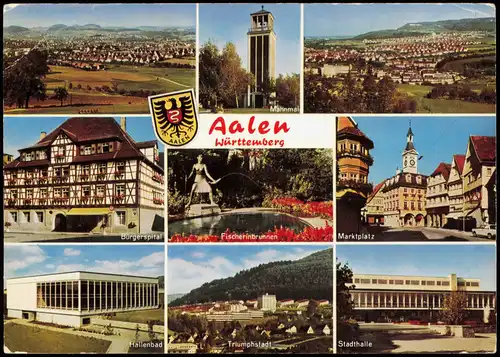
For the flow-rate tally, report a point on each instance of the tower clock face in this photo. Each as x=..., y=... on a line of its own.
x=412, y=162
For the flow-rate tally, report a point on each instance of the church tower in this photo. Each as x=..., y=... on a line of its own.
x=410, y=154
x=261, y=55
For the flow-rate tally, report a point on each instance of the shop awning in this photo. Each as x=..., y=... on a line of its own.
x=454, y=215
x=88, y=211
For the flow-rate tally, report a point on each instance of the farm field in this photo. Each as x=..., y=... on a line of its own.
x=426, y=105
x=21, y=338
x=186, y=60
x=141, y=316
x=128, y=78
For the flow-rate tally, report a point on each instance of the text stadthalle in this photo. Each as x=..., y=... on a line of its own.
x=353, y=344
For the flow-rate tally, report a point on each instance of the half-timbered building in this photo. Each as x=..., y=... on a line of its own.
x=87, y=175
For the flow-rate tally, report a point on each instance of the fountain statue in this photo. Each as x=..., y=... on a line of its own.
x=201, y=185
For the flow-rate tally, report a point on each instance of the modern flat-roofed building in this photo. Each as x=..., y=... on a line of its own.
x=71, y=299
x=400, y=298
x=267, y=302
x=87, y=175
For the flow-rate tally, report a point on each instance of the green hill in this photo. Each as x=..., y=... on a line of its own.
x=310, y=277
x=421, y=28
x=14, y=29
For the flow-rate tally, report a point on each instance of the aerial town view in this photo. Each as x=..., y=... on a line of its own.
x=249, y=195
x=82, y=179
x=249, y=58
x=400, y=58
x=83, y=299
x=272, y=299
x=96, y=58
x=416, y=299
x=435, y=180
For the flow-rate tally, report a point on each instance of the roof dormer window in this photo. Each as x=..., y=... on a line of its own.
x=408, y=178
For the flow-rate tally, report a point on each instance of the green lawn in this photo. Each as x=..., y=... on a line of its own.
x=426, y=105
x=32, y=339
x=141, y=316
x=414, y=90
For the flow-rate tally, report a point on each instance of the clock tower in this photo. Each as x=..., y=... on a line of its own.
x=410, y=154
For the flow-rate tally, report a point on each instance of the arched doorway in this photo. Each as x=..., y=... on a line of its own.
x=60, y=223
x=409, y=220
x=420, y=221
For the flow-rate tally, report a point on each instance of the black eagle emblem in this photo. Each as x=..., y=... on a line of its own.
x=176, y=120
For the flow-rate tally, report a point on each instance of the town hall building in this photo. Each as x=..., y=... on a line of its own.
x=404, y=193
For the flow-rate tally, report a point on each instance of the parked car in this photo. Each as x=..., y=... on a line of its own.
x=489, y=230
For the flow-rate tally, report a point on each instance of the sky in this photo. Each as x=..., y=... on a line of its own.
x=465, y=260
x=126, y=15
x=354, y=19
x=21, y=132
x=189, y=267
x=30, y=259
x=222, y=23
x=436, y=138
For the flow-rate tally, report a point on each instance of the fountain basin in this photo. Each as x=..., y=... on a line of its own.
x=240, y=221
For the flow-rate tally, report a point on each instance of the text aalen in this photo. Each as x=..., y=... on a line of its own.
x=234, y=127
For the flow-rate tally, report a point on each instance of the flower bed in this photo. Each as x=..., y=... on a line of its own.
x=309, y=234
x=303, y=209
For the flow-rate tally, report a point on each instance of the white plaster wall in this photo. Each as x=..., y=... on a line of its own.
x=21, y=295
x=147, y=217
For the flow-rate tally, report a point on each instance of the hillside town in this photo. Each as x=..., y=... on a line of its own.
x=408, y=59
x=262, y=324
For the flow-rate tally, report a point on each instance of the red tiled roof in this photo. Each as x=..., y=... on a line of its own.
x=443, y=169
x=20, y=164
x=146, y=144
x=82, y=130
x=459, y=162
x=485, y=147
x=355, y=132
x=375, y=190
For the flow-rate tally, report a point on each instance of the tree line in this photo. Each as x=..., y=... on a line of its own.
x=462, y=92
x=351, y=95
x=224, y=81
x=307, y=279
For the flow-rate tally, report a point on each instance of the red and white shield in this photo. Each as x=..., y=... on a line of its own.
x=174, y=116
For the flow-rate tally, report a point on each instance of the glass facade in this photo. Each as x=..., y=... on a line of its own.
x=96, y=295
x=416, y=300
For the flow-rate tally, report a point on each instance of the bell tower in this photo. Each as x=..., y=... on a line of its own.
x=410, y=154
x=261, y=55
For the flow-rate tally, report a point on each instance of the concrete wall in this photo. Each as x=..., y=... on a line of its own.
x=16, y=314
x=59, y=319
x=48, y=317
x=454, y=330
x=147, y=217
